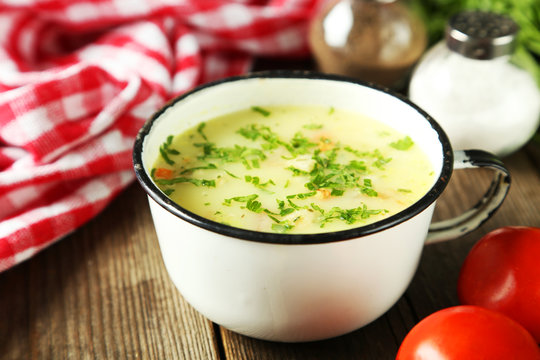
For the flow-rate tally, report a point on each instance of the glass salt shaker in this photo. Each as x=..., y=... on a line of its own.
x=372, y=40
x=468, y=84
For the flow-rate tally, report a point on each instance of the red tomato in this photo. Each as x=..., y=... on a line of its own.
x=468, y=332
x=502, y=273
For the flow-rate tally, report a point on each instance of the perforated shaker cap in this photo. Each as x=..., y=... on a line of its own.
x=481, y=35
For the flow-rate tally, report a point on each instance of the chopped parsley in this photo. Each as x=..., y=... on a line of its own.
x=165, y=150
x=205, y=167
x=403, y=144
x=255, y=180
x=298, y=145
x=261, y=111
x=302, y=195
x=232, y=175
x=313, y=126
x=250, y=202
x=248, y=156
x=282, y=226
x=350, y=216
x=200, y=129
x=182, y=179
x=297, y=172
x=168, y=191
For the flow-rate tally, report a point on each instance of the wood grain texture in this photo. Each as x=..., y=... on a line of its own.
x=104, y=293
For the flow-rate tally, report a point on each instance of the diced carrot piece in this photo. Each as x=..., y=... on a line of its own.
x=162, y=173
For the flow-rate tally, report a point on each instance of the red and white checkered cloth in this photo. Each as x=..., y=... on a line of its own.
x=78, y=78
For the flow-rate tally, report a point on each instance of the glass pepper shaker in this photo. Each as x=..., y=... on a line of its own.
x=469, y=85
x=372, y=40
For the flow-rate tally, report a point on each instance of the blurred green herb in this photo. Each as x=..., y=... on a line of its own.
x=165, y=150
x=402, y=144
x=261, y=111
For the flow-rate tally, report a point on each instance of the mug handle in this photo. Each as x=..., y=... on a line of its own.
x=485, y=208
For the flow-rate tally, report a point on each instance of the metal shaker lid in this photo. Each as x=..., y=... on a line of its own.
x=481, y=35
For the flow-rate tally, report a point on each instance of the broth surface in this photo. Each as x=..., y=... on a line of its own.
x=293, y=169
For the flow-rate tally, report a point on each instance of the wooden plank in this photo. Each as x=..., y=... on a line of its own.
x=102, y=292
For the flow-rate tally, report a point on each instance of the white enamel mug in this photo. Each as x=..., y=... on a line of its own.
x=303, y=287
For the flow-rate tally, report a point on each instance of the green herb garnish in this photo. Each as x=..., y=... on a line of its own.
x=204, y=167
x=403, y=144
x=254, y=206
x=237, y=153
x=255, y=180
x=168, y=191
x=281, y=226
x=297, y=172
x=337, y=192
x=312, y=126
x=298, y=145
x=250, y=200
x=200, y=129
x=404, y=190
x=165, y=150
x=261, y=110
x=177, y=180
x=381, y=161
x=350, y=216
x=165, y=156
x=302, y=195
x=232, y=175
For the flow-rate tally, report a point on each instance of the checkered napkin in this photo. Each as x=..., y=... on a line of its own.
x=78, y=79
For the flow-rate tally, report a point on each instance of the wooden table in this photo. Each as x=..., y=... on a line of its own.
x=103, y=291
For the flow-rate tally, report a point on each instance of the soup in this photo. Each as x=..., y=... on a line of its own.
x=292, y=169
